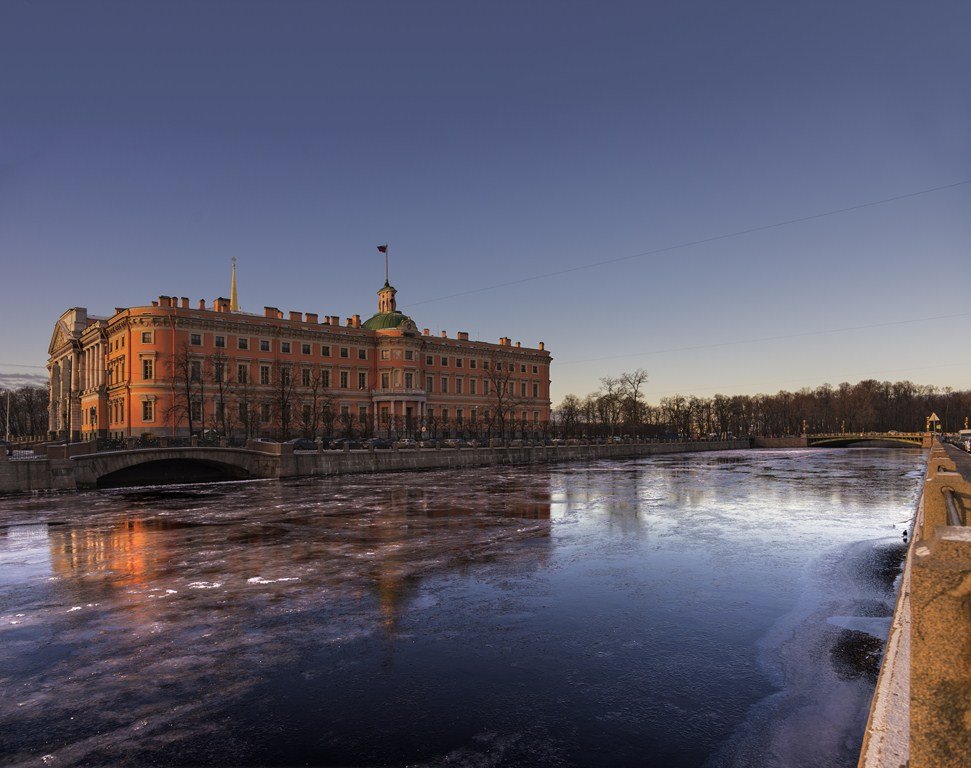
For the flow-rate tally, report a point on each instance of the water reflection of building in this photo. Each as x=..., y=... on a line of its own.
x=397, y=574
x=120, y=552
x=375, y=544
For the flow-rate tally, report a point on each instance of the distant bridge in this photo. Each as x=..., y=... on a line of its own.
x=842, y=439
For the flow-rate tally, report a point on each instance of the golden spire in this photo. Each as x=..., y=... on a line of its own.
x=233, y=298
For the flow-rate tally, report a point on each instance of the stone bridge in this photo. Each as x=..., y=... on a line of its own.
x=837, y=440
x=160, y=465
x=79, y=466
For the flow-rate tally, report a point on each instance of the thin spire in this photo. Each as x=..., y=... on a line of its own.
x=233, y=298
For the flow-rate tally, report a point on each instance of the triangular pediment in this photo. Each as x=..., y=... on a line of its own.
x=59, y=339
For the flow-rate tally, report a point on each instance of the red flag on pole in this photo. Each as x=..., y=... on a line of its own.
x=382, y=249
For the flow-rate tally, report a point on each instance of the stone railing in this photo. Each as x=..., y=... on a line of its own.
x=940, y=596
x=921, y=711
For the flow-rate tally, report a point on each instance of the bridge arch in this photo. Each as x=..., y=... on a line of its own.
x=116, y=469
x=168, y=471
x=844, y=440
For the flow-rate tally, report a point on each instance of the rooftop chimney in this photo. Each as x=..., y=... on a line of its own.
x=425, y=332
x=273, y=312
x=444, y=334
x=542, y=346
x=185, y=302
x=518, y=344
x=297, y=316
x=311, y=317
x=154, y=303
x=202, y=303
x=462, y=336
x=357, y=321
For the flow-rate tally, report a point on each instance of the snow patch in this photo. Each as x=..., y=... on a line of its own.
x=261, y=580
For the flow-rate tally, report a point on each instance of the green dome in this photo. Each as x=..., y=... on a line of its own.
x=384, y=320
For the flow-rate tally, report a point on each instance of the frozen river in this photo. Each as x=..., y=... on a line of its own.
x=699, y=610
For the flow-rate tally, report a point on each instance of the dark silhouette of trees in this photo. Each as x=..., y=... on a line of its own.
x=28, y=412
x=867, y=406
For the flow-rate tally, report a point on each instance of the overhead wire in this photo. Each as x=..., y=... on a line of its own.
x=761, y=339
x=691, y=243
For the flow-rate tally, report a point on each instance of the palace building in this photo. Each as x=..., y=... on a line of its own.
x=173, y=369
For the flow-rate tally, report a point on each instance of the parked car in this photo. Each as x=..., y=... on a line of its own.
x=455, y=442
x=302, y=444
x=406, y=442
x=377, y=443
x=345, y=442
x=431, y=442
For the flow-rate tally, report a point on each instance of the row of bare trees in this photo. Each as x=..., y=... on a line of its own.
x=211, y=395
x=28, y=412
x=618, y=407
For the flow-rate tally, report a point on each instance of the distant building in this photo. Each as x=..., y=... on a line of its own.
x=171, y=369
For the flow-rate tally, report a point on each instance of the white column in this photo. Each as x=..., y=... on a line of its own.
x=52, y=399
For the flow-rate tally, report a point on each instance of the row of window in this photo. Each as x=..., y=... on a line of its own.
x=444, y=415
x=286, y=347
x=116, y=412
x=460, y=362
x=322, y=378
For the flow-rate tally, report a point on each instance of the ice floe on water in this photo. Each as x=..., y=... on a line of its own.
x=261, y=580
x=824, y=665
x=651, y=612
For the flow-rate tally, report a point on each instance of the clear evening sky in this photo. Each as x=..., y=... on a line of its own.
x=143, y=145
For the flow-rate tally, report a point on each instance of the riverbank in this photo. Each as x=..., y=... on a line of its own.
x=919, y=712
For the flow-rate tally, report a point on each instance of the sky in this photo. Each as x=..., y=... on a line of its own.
x=541, y=170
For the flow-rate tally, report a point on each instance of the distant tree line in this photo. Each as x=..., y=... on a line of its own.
x=620, y=408
x=28, y=412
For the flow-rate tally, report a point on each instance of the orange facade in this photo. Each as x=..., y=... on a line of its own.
x=173, y=369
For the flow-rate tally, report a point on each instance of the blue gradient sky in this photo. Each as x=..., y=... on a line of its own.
x=143, y=145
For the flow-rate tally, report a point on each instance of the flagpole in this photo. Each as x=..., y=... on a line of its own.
x=387, y=268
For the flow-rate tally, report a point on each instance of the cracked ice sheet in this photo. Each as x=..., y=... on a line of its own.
x=511, y=617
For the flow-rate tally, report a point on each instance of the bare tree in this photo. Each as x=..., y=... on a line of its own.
x=312, y=400
x=631, y=383
x=185, y=373
x=569, y=414
x=503, y=399
x=283, y=397
x=223, y=387
x=610, y=403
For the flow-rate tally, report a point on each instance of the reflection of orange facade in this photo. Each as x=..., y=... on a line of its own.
x=382, y=552
x=122, y=551
x=125, y=375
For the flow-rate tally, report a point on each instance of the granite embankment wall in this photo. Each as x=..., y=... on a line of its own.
x=338, y=462
x=271, y=460
x=921, y=710
x=780, y=442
